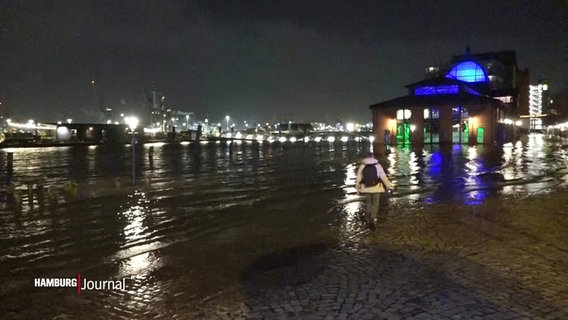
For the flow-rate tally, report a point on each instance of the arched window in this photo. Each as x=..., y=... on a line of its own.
x=468, y=71
x=403, y=114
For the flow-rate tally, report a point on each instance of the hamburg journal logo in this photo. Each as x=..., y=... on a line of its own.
x=81, y=284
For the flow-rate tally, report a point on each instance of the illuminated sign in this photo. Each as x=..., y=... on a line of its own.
x=432, y=90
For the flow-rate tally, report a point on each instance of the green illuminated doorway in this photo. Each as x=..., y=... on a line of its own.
x=480, y=135
x=403, y=133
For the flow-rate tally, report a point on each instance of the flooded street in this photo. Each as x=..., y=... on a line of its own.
x=206, y=226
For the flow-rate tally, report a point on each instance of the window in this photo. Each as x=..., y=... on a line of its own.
x=468, y=71
x=403, y=114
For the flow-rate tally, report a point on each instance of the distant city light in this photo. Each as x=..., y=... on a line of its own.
x=31, y=125
x=132, y=122
x=152, y=130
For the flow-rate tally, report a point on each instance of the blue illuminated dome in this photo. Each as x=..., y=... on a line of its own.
x=468, y=71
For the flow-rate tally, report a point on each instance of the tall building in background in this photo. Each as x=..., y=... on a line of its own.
x=539, y=101
x=535, y=107
x=545, y=95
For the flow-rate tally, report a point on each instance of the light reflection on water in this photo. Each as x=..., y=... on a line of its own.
x=195, y=206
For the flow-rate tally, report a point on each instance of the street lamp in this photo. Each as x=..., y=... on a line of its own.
x=132, y=124
x=186, y=121
x=227, y=118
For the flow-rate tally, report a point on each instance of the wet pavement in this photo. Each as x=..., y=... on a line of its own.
x=496, y=261
x=467, y=235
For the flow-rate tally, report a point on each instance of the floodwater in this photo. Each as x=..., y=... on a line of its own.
x=199, y=215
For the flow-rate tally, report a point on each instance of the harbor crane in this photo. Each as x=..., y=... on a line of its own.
x=105, y=111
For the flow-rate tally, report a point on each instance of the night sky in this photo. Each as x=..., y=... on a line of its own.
x=259, y=61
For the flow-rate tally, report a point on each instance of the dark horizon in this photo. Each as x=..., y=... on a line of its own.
x=264, y=61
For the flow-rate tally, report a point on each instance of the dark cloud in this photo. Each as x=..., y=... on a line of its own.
x=260, y=60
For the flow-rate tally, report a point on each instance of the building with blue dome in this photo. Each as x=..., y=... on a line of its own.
x=476, y=99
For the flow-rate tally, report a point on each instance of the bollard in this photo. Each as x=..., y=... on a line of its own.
x=52, y=196
x=151, y=155
x=31, y=194
x=10, y=164
x=17, y=200
x=2, y=161
x=40, y=194
x=70, y=191
x=198, y=134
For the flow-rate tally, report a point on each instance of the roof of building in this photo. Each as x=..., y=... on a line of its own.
x=461, y=98
x=438, y=81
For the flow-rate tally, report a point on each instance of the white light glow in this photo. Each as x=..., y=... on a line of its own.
x=32, y=126
x=535, y=105
x=403, y=114
x=152, y=130
x=132, y=122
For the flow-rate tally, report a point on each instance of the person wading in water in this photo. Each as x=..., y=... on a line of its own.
x=371, y=181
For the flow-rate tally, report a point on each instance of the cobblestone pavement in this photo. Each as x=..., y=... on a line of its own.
x=491, y=261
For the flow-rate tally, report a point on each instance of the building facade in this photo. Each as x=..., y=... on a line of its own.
x=477, y=100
